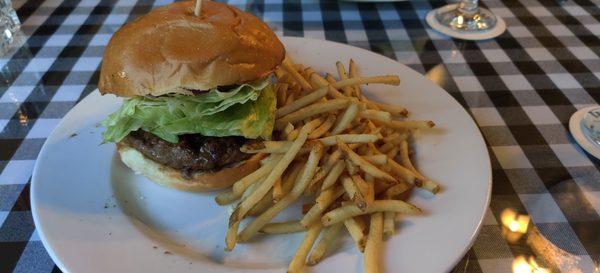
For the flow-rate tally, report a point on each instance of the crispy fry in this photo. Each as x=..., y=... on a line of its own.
x=356, y=232
x=325, y=126
x=281, y=91
x=373, y=246
x=231, y=236
x=379, y=159
x=387, y=147
x=404, y=173
x=393, y=152
x=335, y=145
x=427, y=184
x=343, y=121
x=331, y=160
x=307, y=74
x=318, y=80
x=299, y=258
x=324, y=200
x=277, y=190
x=392, y=109
x=353, y=73
x=287, y=130
x=349, y=138
x=279, y=72
x=389, y=223
x=330, y=79
x=266, y=147
x=413, y=124
x=366, y=189
x=350, y=167
x=275, y=147
x=353, y=192
x=388, y=79
x=262, y=205
x=364, y=164
x=282, y=227
x=311, y=110
x=376, y=115
x=289, y=67
x=293, y=134
x=396, y=190
x=334, y=93
x=266, y=185
x=301, y=102
x=348, y=90
x=299, y=186
x=347, y=211
x=430, y=186
x=333, y=175
x=324, y=243
x=391, y=138
x=240, y=186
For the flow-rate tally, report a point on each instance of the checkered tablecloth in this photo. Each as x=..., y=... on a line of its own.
x=521, y=89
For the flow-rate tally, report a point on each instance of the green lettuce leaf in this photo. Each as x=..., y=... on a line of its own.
x=247, y=111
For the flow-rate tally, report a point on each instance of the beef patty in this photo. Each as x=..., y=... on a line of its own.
x=193, y=152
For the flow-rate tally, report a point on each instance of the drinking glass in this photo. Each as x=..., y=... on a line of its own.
x=9, y=25
x=467, y=16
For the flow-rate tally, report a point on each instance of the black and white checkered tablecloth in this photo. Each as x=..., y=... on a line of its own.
x=521, y=88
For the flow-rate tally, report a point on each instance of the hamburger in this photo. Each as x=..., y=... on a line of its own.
x=195, y=89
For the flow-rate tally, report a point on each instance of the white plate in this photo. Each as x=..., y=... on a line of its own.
x=94, y=215
x=581, y=134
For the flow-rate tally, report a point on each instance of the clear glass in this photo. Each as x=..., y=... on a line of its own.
x=466, y=17
x=9, y=25
x=591, y=121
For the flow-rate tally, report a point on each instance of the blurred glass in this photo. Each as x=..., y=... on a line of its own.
x=9, y=25
x=467, y=17
x=591, y=121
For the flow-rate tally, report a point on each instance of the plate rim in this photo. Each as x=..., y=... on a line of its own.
x=471, y=239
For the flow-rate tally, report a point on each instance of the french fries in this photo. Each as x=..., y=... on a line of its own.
x=323, y=128
x=427, y=184
x=333, y=175
x=363, y=163
x=289, y=67
x=346, y=153
x=324, y=200
x=301, y=102
x=354, y=193
x=324, y=243
x=345, y=119
x=299, y=259
x=282, y=227
x=348, y=90
x=349, y=138
x=374, y=243
x=311, y=110
x=300, y=185
x=378, y=160
x=389, y=223
x=279, y=168
x=240, y=186
x=356, y=232
x=345, y=212
x=376, y=115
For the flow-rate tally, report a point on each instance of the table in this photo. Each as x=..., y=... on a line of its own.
x=521, y=89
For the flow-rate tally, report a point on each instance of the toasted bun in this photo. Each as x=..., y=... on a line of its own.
x=169, y=177
x=169, y=50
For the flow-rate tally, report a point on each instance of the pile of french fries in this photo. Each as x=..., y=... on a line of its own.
x=350, y=154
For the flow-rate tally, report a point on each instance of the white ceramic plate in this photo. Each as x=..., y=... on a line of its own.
x=94, y=215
